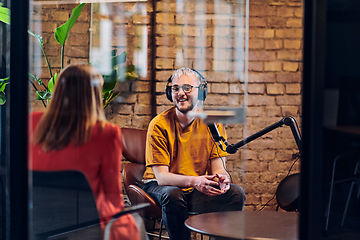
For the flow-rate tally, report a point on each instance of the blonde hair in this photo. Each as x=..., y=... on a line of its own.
x=187, y=72
x=76, y=106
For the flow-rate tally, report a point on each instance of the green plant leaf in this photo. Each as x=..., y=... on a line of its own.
x=2, y=87
x=37, y=37
x=119, y=73
x=111, y=96
x=103, y=57
x=3, y=83
x=106, y=95
x=36, y=79
x=62, y=32
x=110, y=81
x=5, y=80
x=41, y=95
x=4, y=15
x=52, y=82
x=2, y=98
x=128, y=73
x=41, y=42
x=118, y=59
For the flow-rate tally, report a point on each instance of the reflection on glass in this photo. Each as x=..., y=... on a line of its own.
x=120, y=27
x=135, y=45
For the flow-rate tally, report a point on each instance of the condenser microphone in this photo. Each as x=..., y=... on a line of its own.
x=215, y=134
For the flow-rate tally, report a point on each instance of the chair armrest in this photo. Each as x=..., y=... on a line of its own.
x=138, y=196
x=131, y=209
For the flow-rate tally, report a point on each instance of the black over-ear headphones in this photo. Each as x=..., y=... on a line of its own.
x=202, y=88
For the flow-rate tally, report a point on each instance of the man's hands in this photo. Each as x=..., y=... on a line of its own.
x=224, y=182
x=212, y=185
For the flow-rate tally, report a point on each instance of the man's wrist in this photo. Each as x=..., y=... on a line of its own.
x=192, y=181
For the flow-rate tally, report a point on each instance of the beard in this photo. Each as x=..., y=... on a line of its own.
x=185, y=110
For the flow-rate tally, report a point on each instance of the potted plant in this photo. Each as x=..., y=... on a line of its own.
x=119, y=71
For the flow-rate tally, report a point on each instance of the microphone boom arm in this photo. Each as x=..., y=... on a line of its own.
x=288, y=121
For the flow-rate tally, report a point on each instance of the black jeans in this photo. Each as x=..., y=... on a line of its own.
x=176, y=205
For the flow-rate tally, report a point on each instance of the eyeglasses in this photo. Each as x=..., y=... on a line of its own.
x=187, y=88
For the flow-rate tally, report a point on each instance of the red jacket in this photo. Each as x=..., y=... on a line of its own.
x=100, y=161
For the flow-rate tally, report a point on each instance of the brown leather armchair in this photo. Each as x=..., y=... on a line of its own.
x=134, y=141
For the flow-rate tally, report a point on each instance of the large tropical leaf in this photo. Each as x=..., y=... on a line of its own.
x=118, y=59
x=110, y=81
x=119, y=75
x=4, y=14
x=62, y=32
x=103, y=58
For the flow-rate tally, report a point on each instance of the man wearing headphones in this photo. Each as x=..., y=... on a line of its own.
x=185, y=169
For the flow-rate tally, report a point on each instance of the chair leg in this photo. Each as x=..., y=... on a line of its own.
x=327, y=214
x=160, y=230
x=358, y=196
x=357, y=169
x=347, y=203
x=154, y=234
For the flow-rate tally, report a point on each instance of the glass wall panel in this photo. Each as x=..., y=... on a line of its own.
x=249, y=52
x=136, y=45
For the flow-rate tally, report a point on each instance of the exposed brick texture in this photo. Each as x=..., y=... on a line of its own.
x=210, y=37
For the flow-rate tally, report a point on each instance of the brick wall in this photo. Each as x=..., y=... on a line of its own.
x=274, y=88
x=210, y=37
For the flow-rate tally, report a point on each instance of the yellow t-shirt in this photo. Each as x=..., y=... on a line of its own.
x=186, y=151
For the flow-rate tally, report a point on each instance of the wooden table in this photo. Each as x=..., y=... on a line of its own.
x=252, y=225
